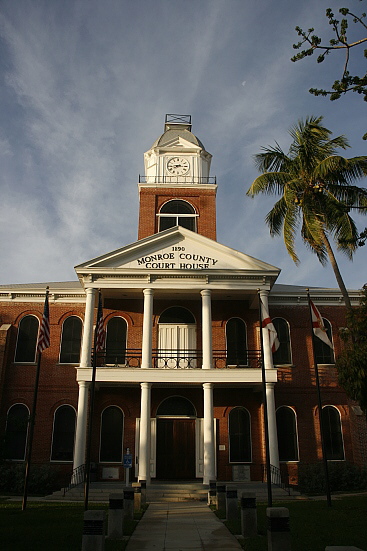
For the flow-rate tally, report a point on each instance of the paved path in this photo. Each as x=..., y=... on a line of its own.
x=181, y=526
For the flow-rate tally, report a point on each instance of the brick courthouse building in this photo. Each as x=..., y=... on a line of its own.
x=179, y=382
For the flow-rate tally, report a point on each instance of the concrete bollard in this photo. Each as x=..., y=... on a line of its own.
x=342, y=548
x=221, y=496
x=231, y=502
x=115, y=516
x=279, y=535
x=143, y=485
x=93, y=531
x=137, y=497
x=212, y=493
x=129, y=502
x=248, y=514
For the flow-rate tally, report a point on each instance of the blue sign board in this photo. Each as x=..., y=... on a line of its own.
x=128, y=461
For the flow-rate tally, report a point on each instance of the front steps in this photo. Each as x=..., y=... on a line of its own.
x=157, y=492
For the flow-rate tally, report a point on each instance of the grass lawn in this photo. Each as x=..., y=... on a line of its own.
x=44, y=526
x=314, y=525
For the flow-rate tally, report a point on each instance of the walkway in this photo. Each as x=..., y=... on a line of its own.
x=181, y=526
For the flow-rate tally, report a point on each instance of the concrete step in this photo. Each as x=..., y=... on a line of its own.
x=157, y=492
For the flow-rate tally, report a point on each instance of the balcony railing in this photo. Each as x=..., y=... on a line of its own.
x=179, y=359
x=143, y=179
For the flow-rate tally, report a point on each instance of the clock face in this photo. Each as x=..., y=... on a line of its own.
x=177, y=166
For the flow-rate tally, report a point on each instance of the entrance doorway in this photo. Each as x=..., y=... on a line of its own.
x=176, y=449
x=175, y=444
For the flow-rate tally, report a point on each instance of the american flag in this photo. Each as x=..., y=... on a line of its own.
x=44, y=332
x=99, y=334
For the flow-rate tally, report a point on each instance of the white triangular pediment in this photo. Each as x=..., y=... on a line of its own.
x=177, y=249
x=178, y=142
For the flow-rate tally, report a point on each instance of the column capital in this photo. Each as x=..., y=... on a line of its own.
x=207, y=386
x=206, y=293
x=90, y=291
x=84, y=384
x=148, y=292
x=146, y=386
x=264, y=292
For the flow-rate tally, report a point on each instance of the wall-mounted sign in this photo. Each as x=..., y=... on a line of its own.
x=178, y=258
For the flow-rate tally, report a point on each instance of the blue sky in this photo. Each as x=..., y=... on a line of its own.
x=84, y=89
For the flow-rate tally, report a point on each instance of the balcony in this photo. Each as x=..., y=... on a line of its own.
x=190, y=180
x=178, y=359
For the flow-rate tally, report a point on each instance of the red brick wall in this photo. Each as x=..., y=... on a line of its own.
x=151, y=200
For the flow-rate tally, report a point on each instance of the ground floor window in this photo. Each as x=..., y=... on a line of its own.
x=16, y=432
x=63, y=434
x=287, y=434
x=332, y=430
x=240, y=436
x=112, y=427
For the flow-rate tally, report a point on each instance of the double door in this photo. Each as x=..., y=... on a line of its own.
x=177, y=346
x=176, y=449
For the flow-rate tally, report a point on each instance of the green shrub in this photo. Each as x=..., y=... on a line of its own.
x=343, y=477
x=42, y=479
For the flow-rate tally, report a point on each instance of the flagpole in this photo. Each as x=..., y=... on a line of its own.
x=323, y=448
x=32, y=418
x=266, y=423
x=91, y=410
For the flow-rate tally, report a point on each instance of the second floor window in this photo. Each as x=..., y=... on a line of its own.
x=71, y=340
x=177, y=213
x=324, y=354
x=283, y=354
x=27, y=340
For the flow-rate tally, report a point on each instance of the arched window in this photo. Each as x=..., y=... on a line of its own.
x=71, y=340
x=116, y=341
x=176, y=406
x=177, y=315
x=287, y=434
x=177, y=213
x=283, y=354
x=16, y=432
x=63, y=434
x=324, y=354
x=332, y=430
x=27, y=339
x=239, y=436
x=112, y=427
x=236, y=338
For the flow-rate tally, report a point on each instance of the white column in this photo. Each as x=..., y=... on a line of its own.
x=272, y=426
x=144, y=443
x=81, y=425
x=146, y=347
x=209, y=444
x=206, y=320
x=86, y=351
x=268, y=361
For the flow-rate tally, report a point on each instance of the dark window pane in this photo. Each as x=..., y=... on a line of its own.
x=287, y=434
x=239, y=436
x=177, y=314
x=111, y=435
x=188, y=223
x=71, y=340
x=236, y=342
x=332, y=433
x=324, y=354
x=283, y=354
x=63, y=434
x=177, y=207
x=16, y=432
x=27, y=339
x=176, y=406
x=116, y=341
x=167, y=222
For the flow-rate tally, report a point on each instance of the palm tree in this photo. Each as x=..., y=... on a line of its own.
x=316, y=188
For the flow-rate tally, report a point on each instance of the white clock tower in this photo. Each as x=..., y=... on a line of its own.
x=177, y=189
x=177, y=156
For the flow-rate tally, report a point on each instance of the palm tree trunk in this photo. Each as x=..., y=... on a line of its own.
x=337, y=273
